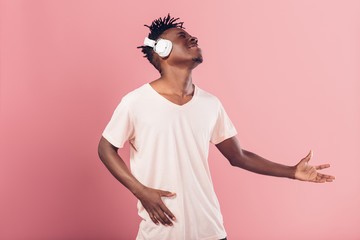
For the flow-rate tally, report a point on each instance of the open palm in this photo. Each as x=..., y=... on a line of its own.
x=306, y=172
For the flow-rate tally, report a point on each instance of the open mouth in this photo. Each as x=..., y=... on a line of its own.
x=194, y=46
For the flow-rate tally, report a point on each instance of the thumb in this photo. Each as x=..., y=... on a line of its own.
x=309, y=156
x=167, y=193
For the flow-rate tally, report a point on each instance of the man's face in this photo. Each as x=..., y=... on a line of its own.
x=185, y=51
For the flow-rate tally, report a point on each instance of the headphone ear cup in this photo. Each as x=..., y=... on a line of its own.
x=163, y=47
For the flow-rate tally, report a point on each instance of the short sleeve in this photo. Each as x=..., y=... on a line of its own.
x=223, y=128
x=120, y=127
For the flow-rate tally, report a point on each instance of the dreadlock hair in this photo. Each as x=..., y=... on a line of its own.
x=157, y=27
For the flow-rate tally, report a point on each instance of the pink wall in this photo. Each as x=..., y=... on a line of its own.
x=287, y=73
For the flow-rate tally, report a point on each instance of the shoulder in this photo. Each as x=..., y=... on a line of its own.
x=208, y=97
x=134, y=95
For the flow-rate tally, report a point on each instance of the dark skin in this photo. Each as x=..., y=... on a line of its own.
x=175, y=84
x=238, y=157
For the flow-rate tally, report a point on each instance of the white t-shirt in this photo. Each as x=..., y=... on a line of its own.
x=169, y=145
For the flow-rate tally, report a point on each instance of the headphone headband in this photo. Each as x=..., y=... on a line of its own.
x=149, y=42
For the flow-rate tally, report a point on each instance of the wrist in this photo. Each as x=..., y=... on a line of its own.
x=138, y=190
x=292, y=172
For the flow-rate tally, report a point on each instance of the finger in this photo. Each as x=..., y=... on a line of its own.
x=309, y=155
x=151, y=215
x=329, y=178
x=163, y=217
x=319, y=179
x=307, y=158
x=153, y=218
x=158, y=217
x=326, y=176
x=322, y=166
x=167, y=211
x=166, y=193
x=157, y=221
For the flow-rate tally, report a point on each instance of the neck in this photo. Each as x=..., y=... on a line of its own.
x=178, y=81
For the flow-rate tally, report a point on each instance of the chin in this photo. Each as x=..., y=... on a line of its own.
x=198, y=59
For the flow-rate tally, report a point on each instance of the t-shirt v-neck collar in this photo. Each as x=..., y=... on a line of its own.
x=168, y=102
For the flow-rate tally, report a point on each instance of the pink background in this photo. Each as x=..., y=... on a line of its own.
x=287, y=73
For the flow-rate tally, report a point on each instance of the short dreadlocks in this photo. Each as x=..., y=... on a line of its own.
x=157, y=27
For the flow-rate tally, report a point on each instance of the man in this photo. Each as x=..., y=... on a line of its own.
x=169, y=123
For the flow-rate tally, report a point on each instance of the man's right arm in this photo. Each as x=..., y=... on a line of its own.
x=150, y=198
x=116, y=165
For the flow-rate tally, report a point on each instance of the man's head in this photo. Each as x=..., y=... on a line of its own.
x=182, y=54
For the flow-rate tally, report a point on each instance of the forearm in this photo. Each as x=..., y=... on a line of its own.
x=120, y=171
x=255, y=163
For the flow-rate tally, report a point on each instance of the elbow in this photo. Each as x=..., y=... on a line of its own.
x=234, y=163
x=239, y=159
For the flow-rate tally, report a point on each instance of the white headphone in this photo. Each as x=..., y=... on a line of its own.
x=161, y=46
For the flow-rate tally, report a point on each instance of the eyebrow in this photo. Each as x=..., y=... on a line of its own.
x=182, y=33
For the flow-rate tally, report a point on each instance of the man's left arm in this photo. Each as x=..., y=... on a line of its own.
x=238, y=157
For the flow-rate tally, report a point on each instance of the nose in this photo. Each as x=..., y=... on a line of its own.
x=194, y=40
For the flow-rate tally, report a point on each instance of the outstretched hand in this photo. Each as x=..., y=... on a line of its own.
x=306, y=172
